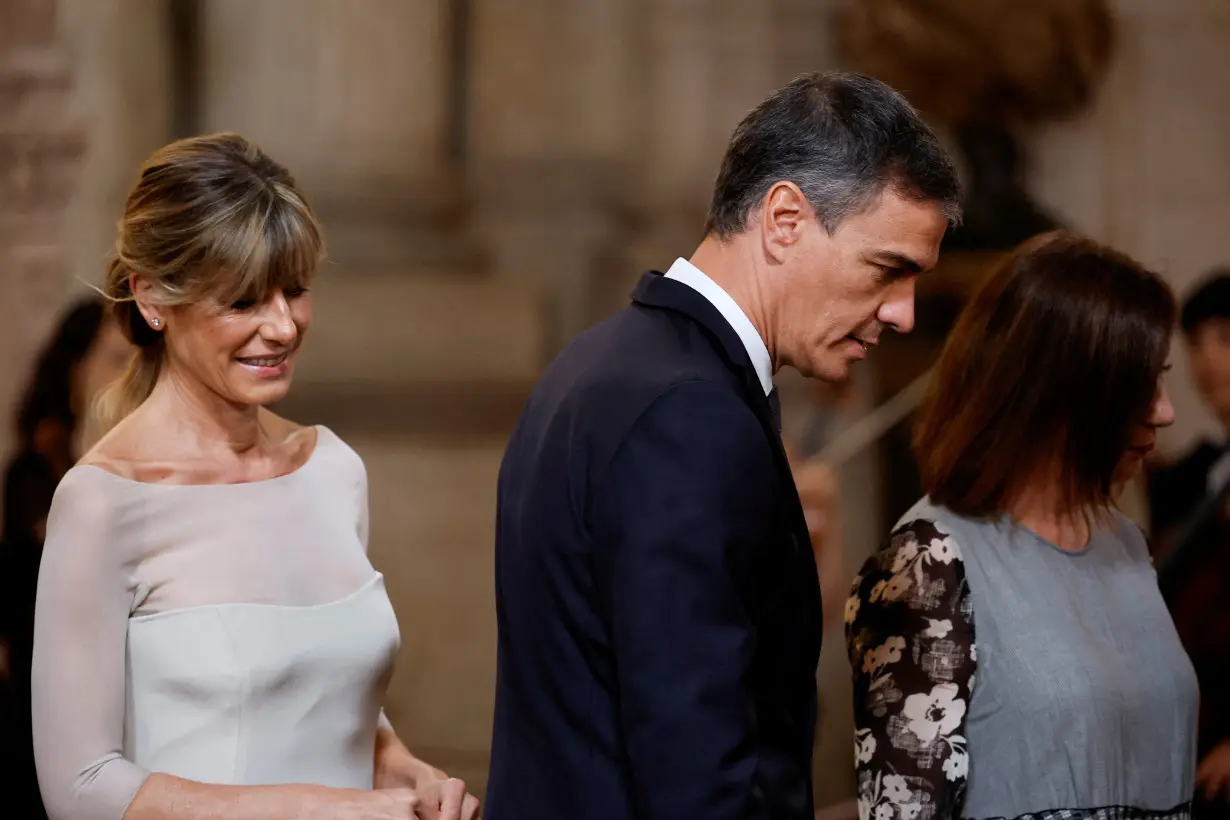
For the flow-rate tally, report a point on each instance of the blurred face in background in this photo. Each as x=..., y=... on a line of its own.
x=105, y=362
x=1208, y=356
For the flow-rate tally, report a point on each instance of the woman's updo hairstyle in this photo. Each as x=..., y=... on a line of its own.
x=210, y=218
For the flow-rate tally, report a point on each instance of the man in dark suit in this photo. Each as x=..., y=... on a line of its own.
x=658, y=605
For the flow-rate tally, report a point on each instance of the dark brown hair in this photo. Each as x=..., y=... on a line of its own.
x=1055, y=359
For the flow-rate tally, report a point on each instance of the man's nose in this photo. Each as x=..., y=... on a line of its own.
x=897, y=309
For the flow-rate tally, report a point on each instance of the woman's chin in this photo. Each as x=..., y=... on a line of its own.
x=260, y=395
x=1130, y=468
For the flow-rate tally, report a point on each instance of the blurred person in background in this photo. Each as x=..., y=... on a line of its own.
x=1191, y=526
x=819, y=488
x=210, y=639
x=86, y=351
x=1011, y=651
x=1176, y=490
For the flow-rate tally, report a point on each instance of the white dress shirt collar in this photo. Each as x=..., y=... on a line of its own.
x=692, y=276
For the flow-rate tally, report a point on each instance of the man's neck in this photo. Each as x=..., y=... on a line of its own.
x=734, y=266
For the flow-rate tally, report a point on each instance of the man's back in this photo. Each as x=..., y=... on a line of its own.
x=657, y=597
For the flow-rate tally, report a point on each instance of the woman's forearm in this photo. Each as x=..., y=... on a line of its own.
x=164, y=797
x=397, y=767
x=397, y=773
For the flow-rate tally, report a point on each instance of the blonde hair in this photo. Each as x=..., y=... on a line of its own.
x=210, y=217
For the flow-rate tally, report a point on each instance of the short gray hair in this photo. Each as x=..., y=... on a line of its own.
x=842, y=138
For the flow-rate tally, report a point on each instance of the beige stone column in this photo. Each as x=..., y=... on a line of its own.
x=702, y=66
x=707, y=64
x=40, y=149
x=122, y=96
x=551, y=124
x=349, y=94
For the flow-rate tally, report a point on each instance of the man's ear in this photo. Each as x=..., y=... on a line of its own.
x=782, y=214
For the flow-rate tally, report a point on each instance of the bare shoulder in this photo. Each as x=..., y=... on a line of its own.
x=314, y=441
x=148, y=447
x=153, y=449
x=120, y=451
x=297, y=440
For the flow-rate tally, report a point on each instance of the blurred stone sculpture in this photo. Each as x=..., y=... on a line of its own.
x=986, y=71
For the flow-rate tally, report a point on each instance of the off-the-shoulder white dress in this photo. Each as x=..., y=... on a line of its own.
x=231, y=633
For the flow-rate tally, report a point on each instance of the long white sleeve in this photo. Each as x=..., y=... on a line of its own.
x=85, y=594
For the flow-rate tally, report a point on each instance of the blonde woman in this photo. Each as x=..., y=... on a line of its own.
x=210, y=638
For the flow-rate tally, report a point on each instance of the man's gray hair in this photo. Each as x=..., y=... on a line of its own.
x=842, y=138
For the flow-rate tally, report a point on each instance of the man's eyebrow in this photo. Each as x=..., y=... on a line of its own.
x=900, y=261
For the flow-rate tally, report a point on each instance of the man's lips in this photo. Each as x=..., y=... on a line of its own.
x=863, y=342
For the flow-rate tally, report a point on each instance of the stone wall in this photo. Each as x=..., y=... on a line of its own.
x=121, y=97
x=40, y=149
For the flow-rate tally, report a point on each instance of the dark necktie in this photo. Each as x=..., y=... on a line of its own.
x=775, y=408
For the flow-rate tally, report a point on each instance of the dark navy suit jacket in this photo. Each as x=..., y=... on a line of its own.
x=657, y=598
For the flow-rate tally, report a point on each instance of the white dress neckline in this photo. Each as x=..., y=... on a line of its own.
x=322, y=433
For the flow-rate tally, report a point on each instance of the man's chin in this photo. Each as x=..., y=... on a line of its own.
x=834, y=371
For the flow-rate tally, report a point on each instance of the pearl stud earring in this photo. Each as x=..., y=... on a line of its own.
x=156, y=322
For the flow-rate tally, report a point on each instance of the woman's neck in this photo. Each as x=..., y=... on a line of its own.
x=205, y=418
x=1043, y=507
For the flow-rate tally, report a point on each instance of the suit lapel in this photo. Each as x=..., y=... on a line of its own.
x=657, y=291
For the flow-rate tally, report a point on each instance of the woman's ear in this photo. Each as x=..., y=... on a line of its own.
x=142, y=292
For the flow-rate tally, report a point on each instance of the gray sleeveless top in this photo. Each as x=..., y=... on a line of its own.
x=998, y=676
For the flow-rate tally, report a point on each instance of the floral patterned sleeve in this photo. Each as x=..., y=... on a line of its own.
x=910, y=639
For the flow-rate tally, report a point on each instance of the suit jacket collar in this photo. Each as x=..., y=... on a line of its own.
x=655, y=290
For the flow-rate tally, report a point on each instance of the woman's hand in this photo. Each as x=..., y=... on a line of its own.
x=440, y=797
x=446, y=798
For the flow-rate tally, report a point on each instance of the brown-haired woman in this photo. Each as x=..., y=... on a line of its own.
x=210, y=638
x=1077, y=697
